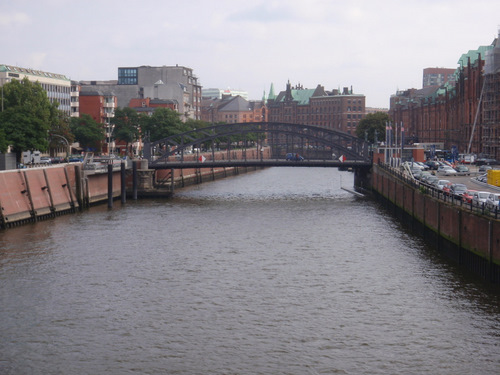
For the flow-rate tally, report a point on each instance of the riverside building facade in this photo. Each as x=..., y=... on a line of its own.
x=463, y=113
x=57, y=86
x=176, y=83
x=335, y=109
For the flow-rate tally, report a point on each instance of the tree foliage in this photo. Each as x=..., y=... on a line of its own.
x=373, y=122
x=163, y=123
x=60, y=135
x=27, y=116
x=126, y=125
x=4, y=145
x=89, y=133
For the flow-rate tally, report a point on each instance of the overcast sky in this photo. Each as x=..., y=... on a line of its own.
x=377, y=47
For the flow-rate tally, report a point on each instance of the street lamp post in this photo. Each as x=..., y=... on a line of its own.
x=67, y=143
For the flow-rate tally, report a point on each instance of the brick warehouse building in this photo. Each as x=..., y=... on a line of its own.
x=329, y=109
x=463, y=113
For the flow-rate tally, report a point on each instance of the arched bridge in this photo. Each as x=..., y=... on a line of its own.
x=320, y=147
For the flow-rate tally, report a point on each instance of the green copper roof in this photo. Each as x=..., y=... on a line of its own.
x=473, y=55
x=302, y=96
x=272, y=95
x=31, y=72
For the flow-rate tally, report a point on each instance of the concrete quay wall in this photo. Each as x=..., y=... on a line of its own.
x=190, y=176
x=29, y=195
x=469, y=238
x=37, y=193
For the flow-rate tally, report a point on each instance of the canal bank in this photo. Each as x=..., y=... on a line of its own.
x=467, y=237
x=34, y=194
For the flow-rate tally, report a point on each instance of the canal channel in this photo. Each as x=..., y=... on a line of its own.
x=278, y=271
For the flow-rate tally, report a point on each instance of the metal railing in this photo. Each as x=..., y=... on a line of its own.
x=453, y=199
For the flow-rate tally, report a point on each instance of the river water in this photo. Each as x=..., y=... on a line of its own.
x=278, y=271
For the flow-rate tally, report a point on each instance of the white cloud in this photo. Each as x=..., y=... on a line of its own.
x=13, y=19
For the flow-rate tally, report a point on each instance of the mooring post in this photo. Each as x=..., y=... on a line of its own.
x=110, y=185
x=134, y=180
x=123, y=182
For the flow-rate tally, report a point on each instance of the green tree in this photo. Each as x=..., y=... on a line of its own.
x=27, y=116
x=126, y=125
x=163, y=123
x=60, y=135
x=371, y=123
x=4, y=145
x=89, y=133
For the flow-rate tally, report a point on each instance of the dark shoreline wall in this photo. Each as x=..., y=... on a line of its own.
x=34, y=194
x=469, y=238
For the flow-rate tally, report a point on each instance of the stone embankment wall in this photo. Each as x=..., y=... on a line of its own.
x=37, y=193
x=186, y=177
x=29, y=195
x=468, y=237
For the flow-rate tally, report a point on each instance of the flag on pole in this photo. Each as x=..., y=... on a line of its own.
x=402, y=138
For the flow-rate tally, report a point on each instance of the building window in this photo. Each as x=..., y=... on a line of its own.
x=127, y=76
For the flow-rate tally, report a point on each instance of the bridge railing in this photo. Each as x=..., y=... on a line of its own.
x=281, y=137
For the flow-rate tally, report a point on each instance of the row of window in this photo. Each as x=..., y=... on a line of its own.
x=305, y=111
x=127, y=76
x=56, y=88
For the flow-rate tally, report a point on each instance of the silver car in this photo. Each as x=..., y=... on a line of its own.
x=492, y=201
x=462, y=170
x=446, y=171
x=440, y=183
x=479, y=198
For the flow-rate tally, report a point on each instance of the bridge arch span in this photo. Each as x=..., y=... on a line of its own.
x=312, y=142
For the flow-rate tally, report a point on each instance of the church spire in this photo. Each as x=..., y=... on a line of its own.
x=271, y=96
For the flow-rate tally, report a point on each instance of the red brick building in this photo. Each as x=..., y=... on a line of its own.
x=148, y=105
x=437, y=76
x=450, y=114
x=329, y=109
x=100, y=106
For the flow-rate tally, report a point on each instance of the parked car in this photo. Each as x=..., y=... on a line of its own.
x=45, y=160
x=415, y=171
x=430, y=180
x=447, y=189
x=445, y=170
x=457, y=190
x=57, y=159
x=420, y=175
x=479, y=198
x=462, y=170
x=294, y=157
x=440, y=183
x=492, y=201
x=482, y=178
x=422, y=165
x=468, y=195
x=484, y=168
x=486, y=161
x=432, y=164
x=411, y=165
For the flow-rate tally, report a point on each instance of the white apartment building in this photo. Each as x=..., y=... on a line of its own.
x=57, y=86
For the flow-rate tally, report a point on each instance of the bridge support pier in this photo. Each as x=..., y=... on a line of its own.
x=362, y=178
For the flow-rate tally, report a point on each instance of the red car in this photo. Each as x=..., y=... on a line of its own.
x=446, y=188
x=467, y=196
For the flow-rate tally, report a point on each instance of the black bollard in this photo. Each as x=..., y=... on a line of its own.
x=123, y=183
x=110, y=185
x=134, y=180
